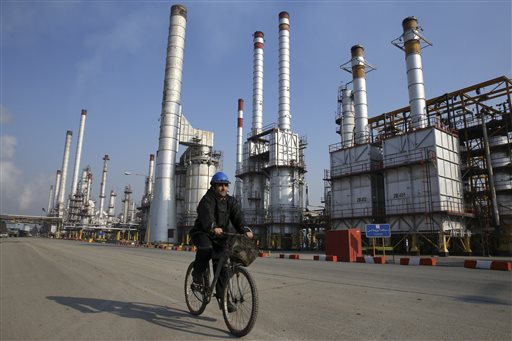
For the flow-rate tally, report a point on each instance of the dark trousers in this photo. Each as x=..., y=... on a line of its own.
x=208, y=248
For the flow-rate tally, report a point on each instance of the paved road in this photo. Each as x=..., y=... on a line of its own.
x=67, y=290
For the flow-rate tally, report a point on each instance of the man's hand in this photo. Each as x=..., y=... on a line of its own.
x=249, y=234
x=217, y=231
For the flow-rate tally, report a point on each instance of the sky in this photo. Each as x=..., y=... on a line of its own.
x=108, y=57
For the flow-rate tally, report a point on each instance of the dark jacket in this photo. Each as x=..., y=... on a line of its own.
x=215, y=211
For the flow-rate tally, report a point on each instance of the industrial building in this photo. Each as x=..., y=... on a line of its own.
x=438, y=171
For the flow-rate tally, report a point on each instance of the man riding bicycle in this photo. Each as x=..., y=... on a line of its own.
x=214, y=213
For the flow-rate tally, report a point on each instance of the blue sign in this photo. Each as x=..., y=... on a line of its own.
x=378, y=230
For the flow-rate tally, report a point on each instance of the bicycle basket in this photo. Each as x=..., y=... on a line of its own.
x=242, y=250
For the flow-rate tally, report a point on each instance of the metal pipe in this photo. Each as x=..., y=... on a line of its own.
x=257, y=83
x=64, y=174
x=163, y=207
x=239, y=145
x=103, y=184
x=415, y=81
x=78, y=152
x=284, y=71
x=360, y=96
x=347, y=110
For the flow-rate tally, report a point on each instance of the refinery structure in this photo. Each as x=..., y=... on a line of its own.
x=438, y=171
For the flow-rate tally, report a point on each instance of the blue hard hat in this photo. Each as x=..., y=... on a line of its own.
x=219, y=178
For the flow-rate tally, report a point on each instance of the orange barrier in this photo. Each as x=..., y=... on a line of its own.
x=293, y=256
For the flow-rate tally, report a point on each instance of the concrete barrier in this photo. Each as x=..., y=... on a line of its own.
x=328, y=258
x=418, y=261
x=371, y=260
x=488, y=264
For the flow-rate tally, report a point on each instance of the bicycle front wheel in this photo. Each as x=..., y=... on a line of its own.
x=196, y=297
x=241, y=292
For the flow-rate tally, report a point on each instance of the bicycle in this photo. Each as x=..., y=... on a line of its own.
x=240, y=290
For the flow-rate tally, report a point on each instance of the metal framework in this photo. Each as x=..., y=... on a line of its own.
x=481, y=116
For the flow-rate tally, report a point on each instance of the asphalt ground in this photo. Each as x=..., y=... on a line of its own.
x=69, y=290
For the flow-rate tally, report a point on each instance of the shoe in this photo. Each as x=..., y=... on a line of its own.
x=231, y=307
x=196, y=286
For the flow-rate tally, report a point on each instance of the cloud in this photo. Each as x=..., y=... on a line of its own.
x=127, y=35
x=5, y=115
x=8, y=144
x=19, y=195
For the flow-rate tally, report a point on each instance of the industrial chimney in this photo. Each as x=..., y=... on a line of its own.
x=64, y=174
x=78, y=152
x=284, y=71
x=239, y=145
x=163, y=222
x=410, y=42
x=54, y=203
x=149, y=180
x=360, y=98
x=257, y=83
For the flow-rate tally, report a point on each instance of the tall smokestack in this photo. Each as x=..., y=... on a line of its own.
x=55, y=199
x=284, y=71
x=415, y=83
x=78, y=152
x=50, y=200
x=239, y=145
x=63, y=178
x=103, y=183
x=360, y=100
x=257, y=83
x=163, y=206
x=149, y=186
x=347, y=109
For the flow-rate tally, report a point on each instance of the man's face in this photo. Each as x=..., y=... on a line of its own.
x=221, y=189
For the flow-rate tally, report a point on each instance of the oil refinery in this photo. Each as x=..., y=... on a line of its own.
x=438, y=171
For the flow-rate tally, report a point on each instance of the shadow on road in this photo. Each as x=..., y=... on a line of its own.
x=176, y=319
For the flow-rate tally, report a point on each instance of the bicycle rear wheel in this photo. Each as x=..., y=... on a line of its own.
x=196, y=297
x=242, y=293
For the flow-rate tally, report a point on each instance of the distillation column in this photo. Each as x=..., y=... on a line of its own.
x=347, y=117
x=163, y=223
x=111, y=207
x=102, y=187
